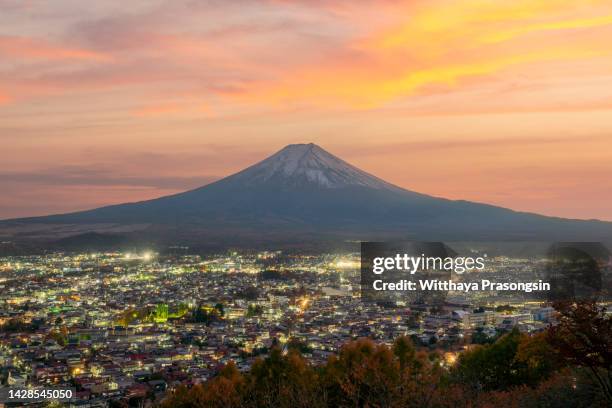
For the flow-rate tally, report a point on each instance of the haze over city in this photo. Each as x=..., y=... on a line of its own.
x=505, y=103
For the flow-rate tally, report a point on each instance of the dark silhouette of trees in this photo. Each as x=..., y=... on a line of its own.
x=561, y=390
x=583, y=338
x=480, y=337
x=16, y=325
x=248, y=293
x=206, y=314
x=254, y=310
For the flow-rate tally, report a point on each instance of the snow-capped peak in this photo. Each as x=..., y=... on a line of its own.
x=298, y=164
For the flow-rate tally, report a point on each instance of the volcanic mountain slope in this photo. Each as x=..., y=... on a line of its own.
x=305, y=193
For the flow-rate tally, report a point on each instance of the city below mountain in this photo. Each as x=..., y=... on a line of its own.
x=300, y=195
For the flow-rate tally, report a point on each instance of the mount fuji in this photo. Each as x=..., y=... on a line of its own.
x=302, y=194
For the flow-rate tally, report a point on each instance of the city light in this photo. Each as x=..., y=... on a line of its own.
x=203, y=311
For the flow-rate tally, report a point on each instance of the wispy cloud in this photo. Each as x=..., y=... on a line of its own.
x=442, y=46
x=208, y=87
x=31, y=48
x=87, y=176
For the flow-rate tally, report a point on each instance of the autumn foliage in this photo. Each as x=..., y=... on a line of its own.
x=551, y=369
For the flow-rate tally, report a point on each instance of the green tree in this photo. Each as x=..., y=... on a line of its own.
x=403, y=349
x=220, y=308
x=254, y=310
x=499, y=366
x=283, y=381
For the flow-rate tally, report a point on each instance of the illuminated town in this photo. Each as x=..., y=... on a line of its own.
x=118, y=325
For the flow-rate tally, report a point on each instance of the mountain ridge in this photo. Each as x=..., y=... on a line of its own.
x=302, y=192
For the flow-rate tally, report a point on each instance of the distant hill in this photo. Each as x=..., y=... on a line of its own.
x=91, y=241
x=299, y=196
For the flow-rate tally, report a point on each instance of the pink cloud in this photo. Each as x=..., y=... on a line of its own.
x=30, y=48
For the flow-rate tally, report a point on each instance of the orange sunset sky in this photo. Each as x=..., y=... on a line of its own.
x=503, y=102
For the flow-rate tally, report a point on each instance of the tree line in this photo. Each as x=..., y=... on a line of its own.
x=569, y=365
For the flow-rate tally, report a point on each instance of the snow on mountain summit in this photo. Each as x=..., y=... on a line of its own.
x=308, y=164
